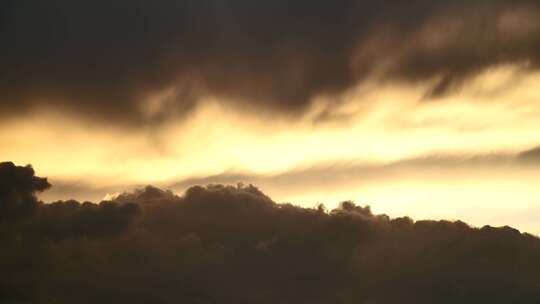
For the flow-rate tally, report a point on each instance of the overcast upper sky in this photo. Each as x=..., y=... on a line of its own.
x=427, y=108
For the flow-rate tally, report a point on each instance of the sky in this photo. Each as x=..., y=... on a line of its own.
x=428, y=109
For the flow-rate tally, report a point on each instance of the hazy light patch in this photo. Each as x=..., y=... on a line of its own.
x=111, y=196
x=157, y=105
x=493, y=201
x=479, y=196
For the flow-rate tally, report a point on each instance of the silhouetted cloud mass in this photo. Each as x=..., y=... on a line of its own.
x=233, y=244
x=18, y=186
x=107, y=60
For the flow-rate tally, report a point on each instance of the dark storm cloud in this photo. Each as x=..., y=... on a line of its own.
x=102, y=58
x=225, y=244
x=18, y=186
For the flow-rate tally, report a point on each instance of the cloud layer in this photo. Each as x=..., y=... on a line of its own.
x=235, y=245
x=127, y=62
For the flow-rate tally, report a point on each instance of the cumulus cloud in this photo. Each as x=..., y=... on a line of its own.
x=234, y=244
x=18, y=186
x=146, y=195
x=142, y=62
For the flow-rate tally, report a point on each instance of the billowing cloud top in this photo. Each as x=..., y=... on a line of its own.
x=233, y=244
x=18, y=186
x=143, y=61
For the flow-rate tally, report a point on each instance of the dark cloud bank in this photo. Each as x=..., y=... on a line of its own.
x=102, y=58
x=224, y=244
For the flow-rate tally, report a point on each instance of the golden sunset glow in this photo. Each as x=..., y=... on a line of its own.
x=374, y=125
x=270, y=151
